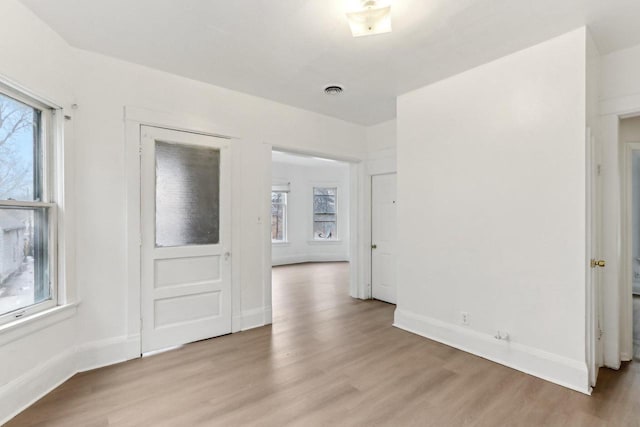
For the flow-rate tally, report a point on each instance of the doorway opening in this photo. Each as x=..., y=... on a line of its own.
x=310, y=231
x=635, y=252
x=630, y=136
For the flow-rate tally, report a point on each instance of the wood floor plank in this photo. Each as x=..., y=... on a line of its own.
x=327, y=360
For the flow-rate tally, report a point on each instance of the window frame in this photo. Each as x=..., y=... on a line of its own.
x=285, y=219
x=48, y=128
x=313, y=213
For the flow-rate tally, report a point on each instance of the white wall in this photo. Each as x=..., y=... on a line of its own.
x=491, y=177
x=620, y=74
x=34, y=358
x=104, y=329
x=300, y=246
x=103, y=86
x=381, y=148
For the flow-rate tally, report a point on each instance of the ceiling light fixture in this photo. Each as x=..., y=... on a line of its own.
x=369, y=17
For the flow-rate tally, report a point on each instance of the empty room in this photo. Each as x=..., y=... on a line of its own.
x=309, y=213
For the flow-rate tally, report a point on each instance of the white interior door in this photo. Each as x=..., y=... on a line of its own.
x=595, y=263
x=383, y=237
x=186, y=236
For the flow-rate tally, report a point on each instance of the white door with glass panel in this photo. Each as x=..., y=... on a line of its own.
x=186, y=236
x=383, y=237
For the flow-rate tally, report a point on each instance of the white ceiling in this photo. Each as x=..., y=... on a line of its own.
x=288, y=50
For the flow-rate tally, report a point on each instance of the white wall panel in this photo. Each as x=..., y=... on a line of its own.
x=491, y=179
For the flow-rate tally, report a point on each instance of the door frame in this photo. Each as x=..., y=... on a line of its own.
x=594, y=315
x=358, y=287
x=134, y=119
x=626, y=298
x=370, y=233
x=617, y=313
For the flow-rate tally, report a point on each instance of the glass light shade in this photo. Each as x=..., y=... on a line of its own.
x=370, y=21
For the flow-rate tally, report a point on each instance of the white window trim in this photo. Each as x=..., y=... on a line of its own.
x=324, y=242
x=37, y=321
x=53, y=190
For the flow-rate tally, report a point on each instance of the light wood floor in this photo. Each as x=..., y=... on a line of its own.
x=328, y=360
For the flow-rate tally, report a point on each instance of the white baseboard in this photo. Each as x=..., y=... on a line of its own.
x=97, y=354
x=551, y=367
x=299, y=259
x=255, y=318
x=24, y=391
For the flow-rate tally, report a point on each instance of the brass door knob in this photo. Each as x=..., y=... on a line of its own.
x=598, y=263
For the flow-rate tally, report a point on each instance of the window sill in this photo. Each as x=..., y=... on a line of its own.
x=325, y=242
x=28, y=325
x=282, y=243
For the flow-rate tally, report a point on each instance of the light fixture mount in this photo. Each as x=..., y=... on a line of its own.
x=369, y=18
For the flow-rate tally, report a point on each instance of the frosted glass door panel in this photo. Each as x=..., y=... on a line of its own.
x=187, y=195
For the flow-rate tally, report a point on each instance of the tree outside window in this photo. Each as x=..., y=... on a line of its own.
x=325, y=224
x=25, y=208
x=278, y=216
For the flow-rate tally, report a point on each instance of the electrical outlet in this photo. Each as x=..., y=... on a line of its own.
x=464, y=318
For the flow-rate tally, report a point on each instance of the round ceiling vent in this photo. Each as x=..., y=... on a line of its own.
x=333, y=90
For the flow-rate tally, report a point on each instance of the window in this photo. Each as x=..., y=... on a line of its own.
x=325, y=223
x=26, y=207
x=187, y=195
x=278, y=216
